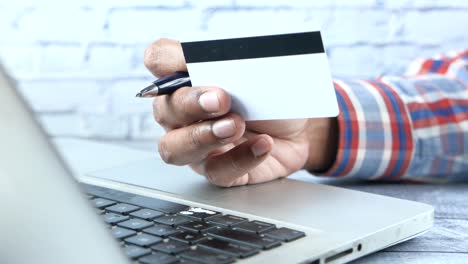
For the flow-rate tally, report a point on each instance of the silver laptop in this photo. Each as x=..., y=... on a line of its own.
x=49, y=217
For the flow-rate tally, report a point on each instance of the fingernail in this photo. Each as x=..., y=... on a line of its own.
x=224, y=128
x=209, y=102
x=260, y=148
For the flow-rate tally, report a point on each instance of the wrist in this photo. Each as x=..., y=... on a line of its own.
x=323, y=144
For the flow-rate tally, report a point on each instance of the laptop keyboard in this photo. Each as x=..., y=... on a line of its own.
x=157, y=231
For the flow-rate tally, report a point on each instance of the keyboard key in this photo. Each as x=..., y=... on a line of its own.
x=255, y=227
x=197, y=226
x=158, y=258
x=187, y=261
x=134, y=252
x=228, y=248
x=101, y=203
x=161, y=230
x=228, y=220
x=147, y=214
x=143, y=201
x=121, y=233
x=249, y=239
x=172, y=220
x=112, y=218
x=122, y=208
x=204, y=256
x=143, y=240
x=285, y=234
x=135, y=224
x=171, y=247
x=198, y=213
x=188, y=237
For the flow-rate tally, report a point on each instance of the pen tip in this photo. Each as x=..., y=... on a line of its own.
x=148, y=91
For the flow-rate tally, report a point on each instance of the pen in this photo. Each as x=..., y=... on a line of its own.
x=166, y=85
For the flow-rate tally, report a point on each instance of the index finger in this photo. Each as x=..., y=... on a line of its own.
x=164, y=57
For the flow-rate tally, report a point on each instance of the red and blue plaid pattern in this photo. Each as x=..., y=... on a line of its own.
x=412, y=128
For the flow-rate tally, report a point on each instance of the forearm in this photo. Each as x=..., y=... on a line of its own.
x=402, y=128
x=438, y=108
x=374, y=140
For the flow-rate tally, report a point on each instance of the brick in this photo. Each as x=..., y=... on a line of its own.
x=134, y=3
x=435, y=27
x=397, y=58
x=8, y=24
x=110, y=59
x=7, y=17
x=425, y=4
x=57, y=3
x=123, y=100
x=60, y=58
x=257, y=22
x=351, y=26
x=61, y=24
x=452, y=46
x=20, y=59
x=147, y=25
x=360, y=61
x=397, y=4
x=441, y=3
x=137, y=61
x=307, y=3
x=63, y=96
x=60, y=125
x=370, y=61
x=212, y=3
x=358, y=3
x=105, y=126
x=269, y=3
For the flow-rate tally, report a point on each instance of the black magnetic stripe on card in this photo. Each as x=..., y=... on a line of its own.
x=253, y=47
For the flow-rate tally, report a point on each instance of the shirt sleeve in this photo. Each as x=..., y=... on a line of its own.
x=406, y=128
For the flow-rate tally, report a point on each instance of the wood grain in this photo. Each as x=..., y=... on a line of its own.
x=447, y=235
x=446, y=242
x=414, y=258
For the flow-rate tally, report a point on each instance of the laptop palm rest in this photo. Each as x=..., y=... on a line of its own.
x=302, y=203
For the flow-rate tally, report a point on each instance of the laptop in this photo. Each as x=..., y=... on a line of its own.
x=50, y=217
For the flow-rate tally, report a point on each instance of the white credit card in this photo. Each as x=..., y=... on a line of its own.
x=283, y=76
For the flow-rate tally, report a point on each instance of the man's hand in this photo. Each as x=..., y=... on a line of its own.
x=203, y=132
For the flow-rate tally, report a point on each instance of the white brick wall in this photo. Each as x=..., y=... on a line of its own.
x=80, y=62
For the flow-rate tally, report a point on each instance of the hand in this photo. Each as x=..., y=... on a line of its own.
x=219, y=144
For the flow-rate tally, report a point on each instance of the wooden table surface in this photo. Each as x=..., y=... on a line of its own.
x=446, y=242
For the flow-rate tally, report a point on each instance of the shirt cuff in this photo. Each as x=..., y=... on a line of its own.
x=375, y=137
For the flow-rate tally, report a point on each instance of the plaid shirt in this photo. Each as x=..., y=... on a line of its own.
x=411, y=128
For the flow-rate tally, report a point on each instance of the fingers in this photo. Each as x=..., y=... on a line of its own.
x=164, y=56
x=190, y=104
x=227, y=169
x=194, y=143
